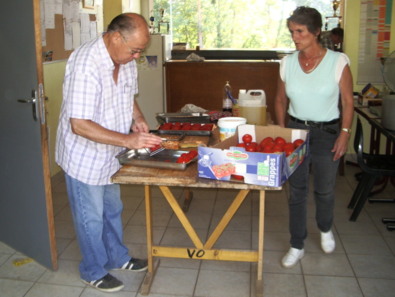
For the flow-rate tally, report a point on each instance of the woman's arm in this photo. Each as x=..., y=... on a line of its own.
x=347, y=102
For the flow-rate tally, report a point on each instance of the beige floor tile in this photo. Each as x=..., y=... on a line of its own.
x=14, y=288
x=283, y=285
x=225, y=266
x=28, y=272
x=179, y=237
x=197, y=220
x=367, y=245
x=330, y=265
x=71, y=252
x=223, y=284
x=237, y=223
x=64, y=229
x=67, y=274
x=372, y=287
x=174, y=281
x=48, y=290
x=329, y=286
x=373, y=266
x=234, y=240
x=138, y=234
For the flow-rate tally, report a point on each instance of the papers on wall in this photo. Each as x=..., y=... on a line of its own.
x=77, y=24
x=374, y=39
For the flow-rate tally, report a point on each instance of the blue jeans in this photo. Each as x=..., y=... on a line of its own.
x=324, y=171
x=97, y=212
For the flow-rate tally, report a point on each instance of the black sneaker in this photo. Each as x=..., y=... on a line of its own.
x=107, y=283
x=135, y=264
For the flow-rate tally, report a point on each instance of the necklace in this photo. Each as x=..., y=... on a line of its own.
x=308, y=63
x=308, y=60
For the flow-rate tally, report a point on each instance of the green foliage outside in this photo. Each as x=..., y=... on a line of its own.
x=237, y=24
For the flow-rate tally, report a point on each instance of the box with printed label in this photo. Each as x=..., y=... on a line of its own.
x=229, y=162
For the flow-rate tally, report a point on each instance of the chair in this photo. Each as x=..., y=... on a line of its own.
x=374, y=167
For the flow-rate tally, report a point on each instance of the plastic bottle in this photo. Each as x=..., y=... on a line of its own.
x=227, y=101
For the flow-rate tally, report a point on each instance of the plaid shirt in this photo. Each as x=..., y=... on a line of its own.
x=89, y=92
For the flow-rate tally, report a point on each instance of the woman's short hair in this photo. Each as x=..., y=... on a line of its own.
x=308, y=16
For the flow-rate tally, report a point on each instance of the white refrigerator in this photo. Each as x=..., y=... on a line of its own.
x=151, y=78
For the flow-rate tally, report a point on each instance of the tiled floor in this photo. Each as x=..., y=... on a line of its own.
x=363, y=263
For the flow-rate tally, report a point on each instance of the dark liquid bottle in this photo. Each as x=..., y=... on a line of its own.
x=227, y=101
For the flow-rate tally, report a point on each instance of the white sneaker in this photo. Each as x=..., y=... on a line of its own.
x=292, y=257
x=327, y=242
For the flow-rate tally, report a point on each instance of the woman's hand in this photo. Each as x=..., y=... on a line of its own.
x=341, y=145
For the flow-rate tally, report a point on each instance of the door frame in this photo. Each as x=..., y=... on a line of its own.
x=44, y=135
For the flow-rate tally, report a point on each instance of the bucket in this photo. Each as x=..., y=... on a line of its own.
x=252, y=106
x=228, y=126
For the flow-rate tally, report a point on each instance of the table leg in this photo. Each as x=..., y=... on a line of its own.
x=261, y=226
x=149, y=276
x=187, y=199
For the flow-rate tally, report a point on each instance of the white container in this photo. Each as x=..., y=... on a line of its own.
x=252, y=106
x=228, y=126
x=388, y=112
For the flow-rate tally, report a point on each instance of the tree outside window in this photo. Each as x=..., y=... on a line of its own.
x=235, y=24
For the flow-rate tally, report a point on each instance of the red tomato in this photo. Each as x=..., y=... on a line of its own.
x=241, y=145
x=279, y=140
x=266, y=141
x=277, y=148
x=247, y=138
x=288, y=151
x=289, y=145
x=186, y=127
x=206, y=127
x=195, y=127
x=298, y=142
x=165, y=126
x=251, y=148
x=192, y=154
x=268, y=148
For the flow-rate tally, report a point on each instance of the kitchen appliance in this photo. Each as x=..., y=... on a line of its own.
x=151, y=77
x=388, y=109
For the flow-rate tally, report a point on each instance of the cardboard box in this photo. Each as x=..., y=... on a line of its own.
x=368, y=101
x=224, y=160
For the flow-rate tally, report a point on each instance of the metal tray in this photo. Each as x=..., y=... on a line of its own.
x=193, y=117
x=185, y=132
x=166, y=159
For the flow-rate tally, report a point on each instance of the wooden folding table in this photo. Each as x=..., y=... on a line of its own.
x=165, y=178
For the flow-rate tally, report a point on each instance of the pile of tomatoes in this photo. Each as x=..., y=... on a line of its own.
x=187, y=157
x=186, y=126
x=270, y=145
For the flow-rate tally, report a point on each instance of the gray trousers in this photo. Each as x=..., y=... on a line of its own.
x=324, y=171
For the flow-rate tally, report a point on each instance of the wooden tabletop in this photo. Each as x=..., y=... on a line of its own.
x=129, y=174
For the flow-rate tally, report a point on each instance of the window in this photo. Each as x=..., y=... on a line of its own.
x=235, y=24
